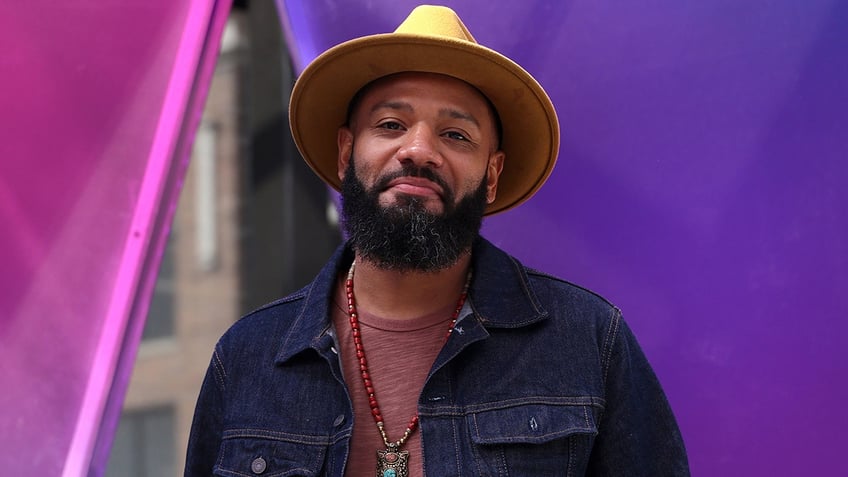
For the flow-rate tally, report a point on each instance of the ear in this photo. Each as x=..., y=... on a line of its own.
x=345, y=144
x=493, y=172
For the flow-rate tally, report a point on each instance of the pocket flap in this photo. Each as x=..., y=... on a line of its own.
x=262, y=454
x=531, y=423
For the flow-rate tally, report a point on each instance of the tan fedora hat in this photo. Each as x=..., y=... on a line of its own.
x=431, y=39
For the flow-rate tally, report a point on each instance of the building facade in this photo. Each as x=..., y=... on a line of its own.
x=253, y=224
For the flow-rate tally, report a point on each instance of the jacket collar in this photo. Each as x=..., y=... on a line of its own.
x=500, y=294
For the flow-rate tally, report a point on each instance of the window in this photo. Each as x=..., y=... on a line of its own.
x=160, y=316
x=144, y=444
x=204, y=166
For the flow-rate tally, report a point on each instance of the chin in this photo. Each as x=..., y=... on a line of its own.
x=407, y=201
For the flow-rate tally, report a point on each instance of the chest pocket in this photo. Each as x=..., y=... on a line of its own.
x=254, y=453
x=533, y=439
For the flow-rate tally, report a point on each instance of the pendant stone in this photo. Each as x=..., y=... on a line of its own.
x=392, y=463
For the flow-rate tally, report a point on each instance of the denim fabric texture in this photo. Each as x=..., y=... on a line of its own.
x=541, y=378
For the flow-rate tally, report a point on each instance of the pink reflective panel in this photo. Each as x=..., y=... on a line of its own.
x=98, y=102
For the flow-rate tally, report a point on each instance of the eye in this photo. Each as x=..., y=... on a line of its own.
x=456, y=135
x=391, y=125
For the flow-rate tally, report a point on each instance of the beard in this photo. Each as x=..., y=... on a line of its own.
x=405, y=236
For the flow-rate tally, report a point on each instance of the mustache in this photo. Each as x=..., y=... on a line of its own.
x=411, y=170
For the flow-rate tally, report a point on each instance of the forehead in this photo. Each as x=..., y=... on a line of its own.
x=422, y=87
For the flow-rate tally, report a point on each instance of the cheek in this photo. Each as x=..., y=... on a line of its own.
x=369, y=162
x=359, y=163
x=368, y=175
x=470, y=187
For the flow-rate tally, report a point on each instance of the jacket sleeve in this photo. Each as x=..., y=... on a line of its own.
x=207, y=427
x=637, y=434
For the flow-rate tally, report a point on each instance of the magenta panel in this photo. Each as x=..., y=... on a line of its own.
x=701, y=186
x=98, y=103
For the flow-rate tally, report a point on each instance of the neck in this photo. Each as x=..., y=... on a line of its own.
x=407, y=295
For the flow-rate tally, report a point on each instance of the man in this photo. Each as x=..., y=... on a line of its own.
x=420, y=348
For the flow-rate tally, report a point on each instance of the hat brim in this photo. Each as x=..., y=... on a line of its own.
x=321, y=95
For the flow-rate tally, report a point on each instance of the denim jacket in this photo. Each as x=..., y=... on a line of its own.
x=542, y=378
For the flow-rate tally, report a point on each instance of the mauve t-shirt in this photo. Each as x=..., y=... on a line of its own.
x=400, y=354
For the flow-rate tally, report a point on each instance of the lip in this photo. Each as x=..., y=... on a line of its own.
x=415, y=186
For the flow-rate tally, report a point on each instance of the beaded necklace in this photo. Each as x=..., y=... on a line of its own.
x=391, y=462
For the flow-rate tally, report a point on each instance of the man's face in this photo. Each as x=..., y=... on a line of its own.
x=418, y=162
x=424, y=121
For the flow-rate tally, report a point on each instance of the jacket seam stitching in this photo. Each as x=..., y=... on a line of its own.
x=220, y=371
x=525, y=286
x=609, y=343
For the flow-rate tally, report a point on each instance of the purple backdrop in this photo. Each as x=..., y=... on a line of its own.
x=700, y=187
x=99, y=102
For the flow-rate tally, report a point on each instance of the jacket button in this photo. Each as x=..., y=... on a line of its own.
x=339, y=420
x=258, y=465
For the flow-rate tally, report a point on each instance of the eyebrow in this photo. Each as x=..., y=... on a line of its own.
x=398, y=105
x=445, y=112
x=456, y=114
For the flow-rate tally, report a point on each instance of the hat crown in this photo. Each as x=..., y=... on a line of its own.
x=433, y=20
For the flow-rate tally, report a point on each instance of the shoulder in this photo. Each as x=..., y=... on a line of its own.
x=510, y=294
x=505, y=281
x=551, y=288
x=576, y=311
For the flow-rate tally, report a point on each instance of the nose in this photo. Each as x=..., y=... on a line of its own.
x=420, y=147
